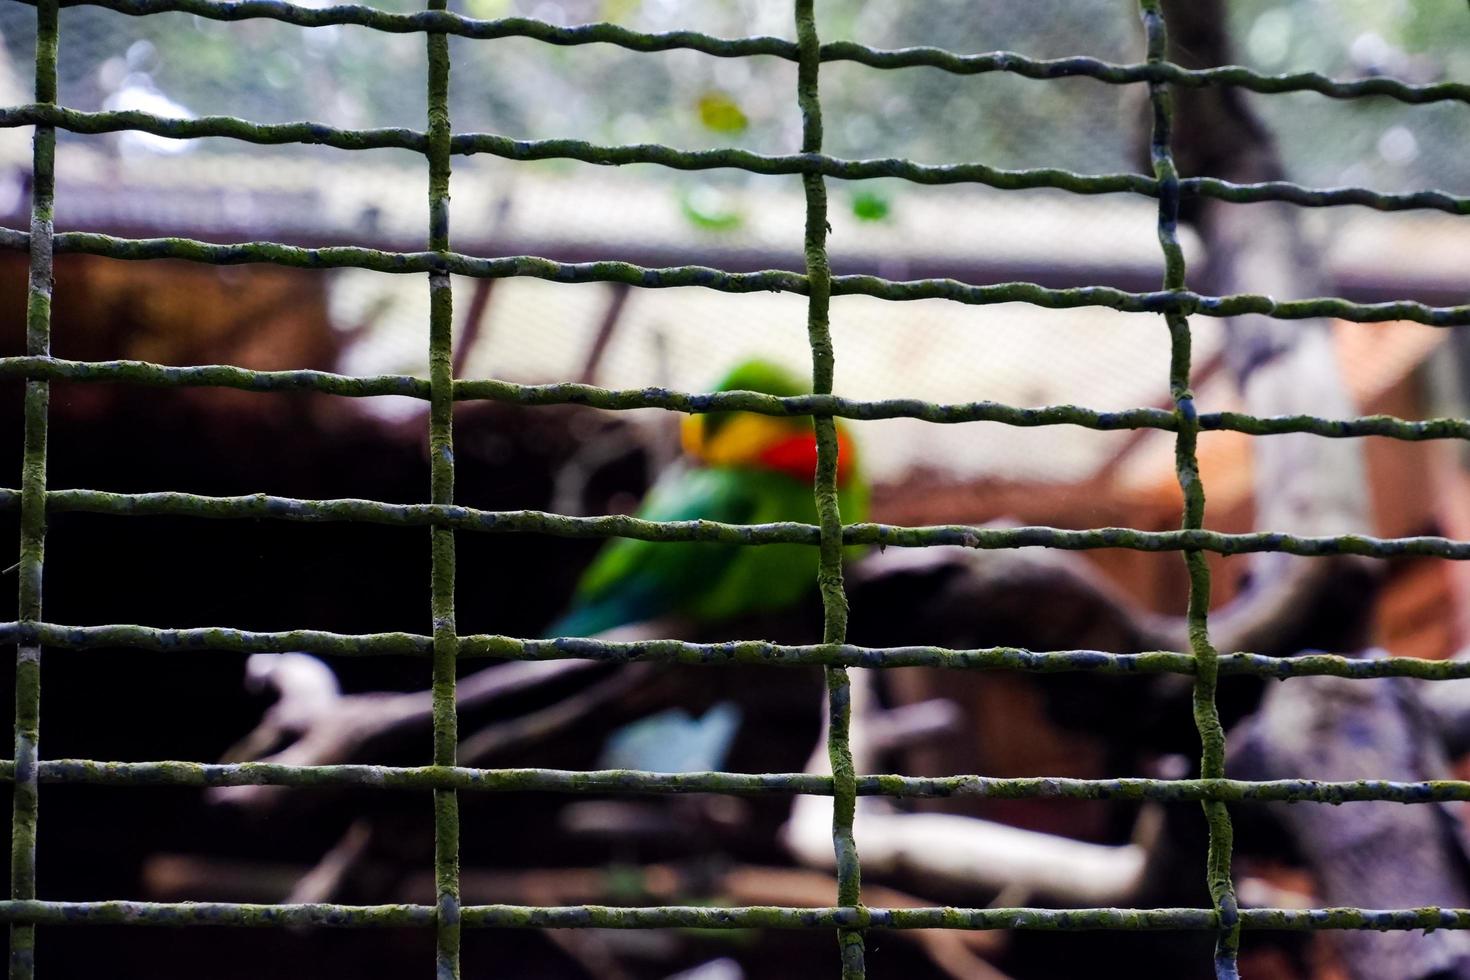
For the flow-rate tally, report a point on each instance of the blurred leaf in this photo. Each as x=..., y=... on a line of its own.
x=488, y=9
x=721, y=113
x=710, y=208
x=617, y=11
x=871, y=205
x=625, y=884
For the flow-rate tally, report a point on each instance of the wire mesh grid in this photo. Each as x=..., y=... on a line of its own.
x=849, y=918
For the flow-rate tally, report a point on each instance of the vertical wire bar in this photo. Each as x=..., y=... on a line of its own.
x=829, y=573
x=26, y=800
x=441, y=480
x=1186, y=463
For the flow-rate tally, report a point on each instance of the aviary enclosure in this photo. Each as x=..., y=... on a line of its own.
x=1206, y=649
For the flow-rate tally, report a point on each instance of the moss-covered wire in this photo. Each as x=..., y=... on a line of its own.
x=441, y=479
x=25, y=805
x=446, y=648
x=266, y=506
x=625, y=399
x=225, y=914
x=829, y=561
x=732, y=653
x=928, y=57
x=355, y=257
x=1186, y=462
x=95, y=772
x=807, y=163
x=617, y=917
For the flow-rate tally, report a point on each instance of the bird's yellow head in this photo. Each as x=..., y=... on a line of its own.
x=743, y=439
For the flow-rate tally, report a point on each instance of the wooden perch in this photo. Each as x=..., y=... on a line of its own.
x=972, y=853
x=528, y=729
x=323, y=882
x=327, y=727
x=958, y=850
x=305, y=689
x=912, y=724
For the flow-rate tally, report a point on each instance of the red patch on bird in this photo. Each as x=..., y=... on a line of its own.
x=796, y=456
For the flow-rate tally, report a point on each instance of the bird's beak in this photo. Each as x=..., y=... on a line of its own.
x=740, y=441
x=691, y=435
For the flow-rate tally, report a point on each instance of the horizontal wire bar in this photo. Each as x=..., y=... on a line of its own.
x=354, y=257
x=928, y=57
x=229, y=127
x=323, y=382
x=743, y=652
x=714, y=917
x=196, y=774
x=607, y=917
x=1366, y=425
x=1324, y=197
x=631, y=781
x=216, y=376
x=1235, y=76
x=260, y=505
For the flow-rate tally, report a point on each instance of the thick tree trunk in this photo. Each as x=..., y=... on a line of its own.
x=1374, y=855
x=1379, y=855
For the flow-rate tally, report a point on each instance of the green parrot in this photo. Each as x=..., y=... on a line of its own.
x=739, y=468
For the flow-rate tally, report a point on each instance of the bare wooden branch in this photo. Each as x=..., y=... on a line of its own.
x=954, y=849
x=334, y=728
x=517, y=733
x=910, y=724
x=612, y=315
x=324, y=882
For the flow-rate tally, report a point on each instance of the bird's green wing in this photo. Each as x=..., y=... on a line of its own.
x=632, y=581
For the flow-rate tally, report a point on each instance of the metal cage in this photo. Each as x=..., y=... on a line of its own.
x=848, y=917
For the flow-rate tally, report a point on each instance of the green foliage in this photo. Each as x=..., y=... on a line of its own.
x=722, y=114
x=870, y=205
x=619, y=11
x=489, y=9
x=708, y=208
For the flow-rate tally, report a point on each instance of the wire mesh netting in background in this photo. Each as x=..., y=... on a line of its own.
x=815, y=164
